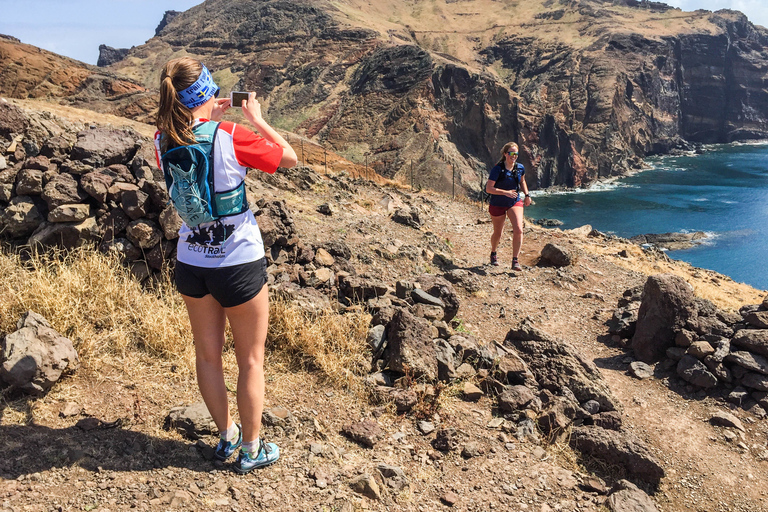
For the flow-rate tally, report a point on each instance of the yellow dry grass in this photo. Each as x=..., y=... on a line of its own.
x=92, y=299
x=330, y=344
x=112, y=320
x=723, y=291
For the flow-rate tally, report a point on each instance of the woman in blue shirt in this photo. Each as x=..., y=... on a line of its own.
x=509, y=193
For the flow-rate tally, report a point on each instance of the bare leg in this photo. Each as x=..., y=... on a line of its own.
x=515, y=215
x=207, y=319
x=498, y=229
x=249, y=324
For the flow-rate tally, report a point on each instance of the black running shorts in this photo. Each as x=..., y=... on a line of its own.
x=230, y=286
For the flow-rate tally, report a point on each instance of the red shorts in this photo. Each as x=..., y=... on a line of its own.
x=497, y=211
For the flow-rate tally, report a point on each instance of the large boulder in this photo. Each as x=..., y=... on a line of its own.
x=410, y=349
x=558, y=366
x=619, y=448
x=105, y=146
x=668, y=303
x=442, y=289
x=557, y=255
x=35, y=356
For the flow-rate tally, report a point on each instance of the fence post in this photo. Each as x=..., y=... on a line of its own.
x=453, y=189
x=482, y=190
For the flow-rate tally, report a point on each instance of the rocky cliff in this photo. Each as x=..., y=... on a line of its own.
x=29, y=72
x=588, y=87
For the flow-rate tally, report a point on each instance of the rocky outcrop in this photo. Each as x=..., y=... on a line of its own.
x=671, y=241
x=668, y=303
x=167, y=18
x=109, y=55
x=580, y=113
x=707, y=349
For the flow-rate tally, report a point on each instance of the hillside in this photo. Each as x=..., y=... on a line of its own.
x=96, y=441
x=588, y=87
x=31, y=72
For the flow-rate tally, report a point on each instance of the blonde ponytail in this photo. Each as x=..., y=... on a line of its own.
x=173, y=118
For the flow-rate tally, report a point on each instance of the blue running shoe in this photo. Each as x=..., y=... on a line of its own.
x=268, y=454
x=225, y=449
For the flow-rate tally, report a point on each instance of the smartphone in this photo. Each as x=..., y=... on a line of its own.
x=236, y=98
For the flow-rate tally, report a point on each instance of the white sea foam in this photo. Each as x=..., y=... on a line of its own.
x=602, y=186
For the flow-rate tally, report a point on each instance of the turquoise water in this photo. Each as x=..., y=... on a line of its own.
x=723, y=192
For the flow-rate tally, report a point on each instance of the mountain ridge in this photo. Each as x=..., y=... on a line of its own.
x=593, y=90
x=588, y=88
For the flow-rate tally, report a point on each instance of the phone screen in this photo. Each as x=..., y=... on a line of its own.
x=237, y=98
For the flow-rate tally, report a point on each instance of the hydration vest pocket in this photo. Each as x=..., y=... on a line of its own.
x=232, y=202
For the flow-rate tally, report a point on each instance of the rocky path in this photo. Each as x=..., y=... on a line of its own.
x=96, y=441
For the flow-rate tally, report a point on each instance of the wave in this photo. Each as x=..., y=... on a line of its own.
x=602, y=186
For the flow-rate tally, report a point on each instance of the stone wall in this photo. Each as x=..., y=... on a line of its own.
x=715, y=352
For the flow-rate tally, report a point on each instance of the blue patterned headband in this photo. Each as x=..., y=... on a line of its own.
x=200, y=91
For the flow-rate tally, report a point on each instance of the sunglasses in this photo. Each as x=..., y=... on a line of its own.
x=512, y=153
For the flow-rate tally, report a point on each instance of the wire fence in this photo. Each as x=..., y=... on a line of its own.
x=320, y=158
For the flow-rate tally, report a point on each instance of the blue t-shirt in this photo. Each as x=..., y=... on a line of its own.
x=506, y=179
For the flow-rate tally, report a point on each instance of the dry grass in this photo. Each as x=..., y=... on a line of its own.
x=93, y=300
x=724, y=292
x=112, y=320
x=327, y=343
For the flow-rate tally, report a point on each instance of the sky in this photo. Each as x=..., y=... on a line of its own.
x=76, y=28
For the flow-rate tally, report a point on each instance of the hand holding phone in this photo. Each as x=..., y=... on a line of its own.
x=237, y=98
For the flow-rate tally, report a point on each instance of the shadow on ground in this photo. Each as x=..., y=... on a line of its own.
x=31, y=449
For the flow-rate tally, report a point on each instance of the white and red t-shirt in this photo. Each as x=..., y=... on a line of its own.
x=230, y=240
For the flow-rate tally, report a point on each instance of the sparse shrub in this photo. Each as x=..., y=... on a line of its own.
x=326, y=342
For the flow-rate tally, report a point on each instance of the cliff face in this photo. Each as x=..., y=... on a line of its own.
x=723, y=77
x=587, y=87
x=587, y=92
x=29, y=72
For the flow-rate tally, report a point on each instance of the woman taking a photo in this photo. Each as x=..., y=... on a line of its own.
x=509, y=193
x=221, y=267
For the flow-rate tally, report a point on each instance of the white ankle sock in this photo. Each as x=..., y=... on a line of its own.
x=251, y=448
x=231, y=434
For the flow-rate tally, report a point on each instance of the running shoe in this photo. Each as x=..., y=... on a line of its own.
x=516, y=265
x=494, y=259
x=225, y=449
x=268, y=454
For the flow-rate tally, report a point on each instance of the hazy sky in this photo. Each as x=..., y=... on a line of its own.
x=756, y=10
x=76, y=28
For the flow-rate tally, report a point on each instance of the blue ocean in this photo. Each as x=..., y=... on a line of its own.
x=722, y=191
